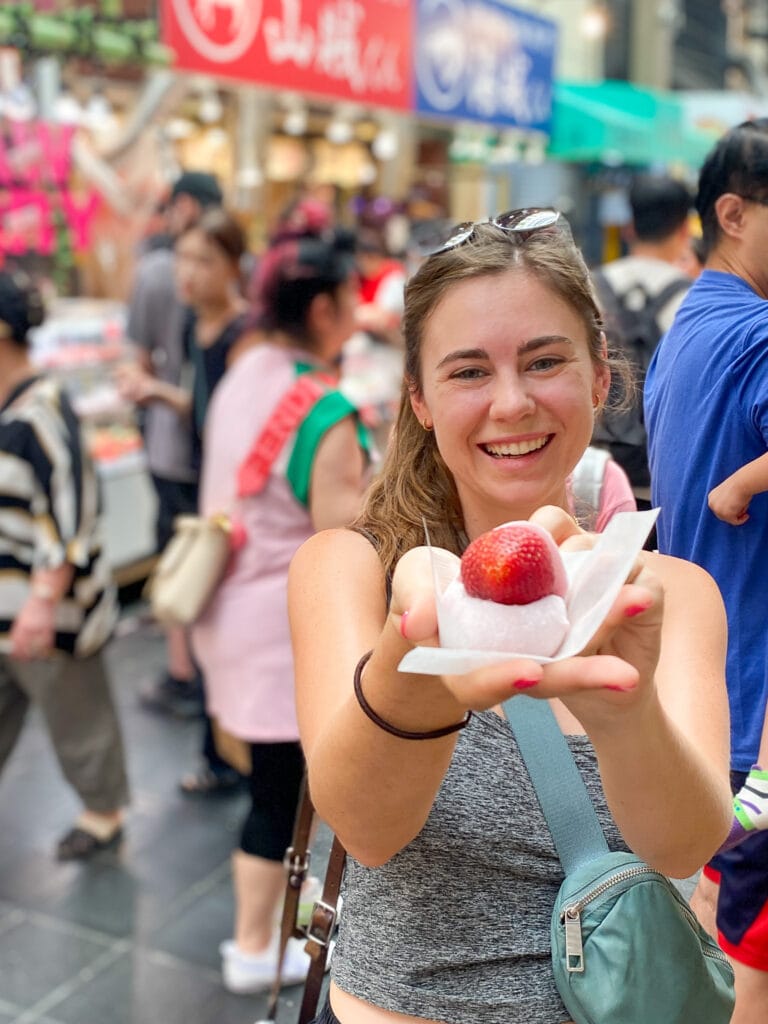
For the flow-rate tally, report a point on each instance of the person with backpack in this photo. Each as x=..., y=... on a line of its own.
x=639, y=296
x=451, y=870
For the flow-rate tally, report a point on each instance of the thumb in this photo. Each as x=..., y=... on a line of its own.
x=413, y=590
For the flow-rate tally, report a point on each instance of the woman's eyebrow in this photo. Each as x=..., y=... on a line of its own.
x=463, y=353
x=528, y=346
x=545, y=339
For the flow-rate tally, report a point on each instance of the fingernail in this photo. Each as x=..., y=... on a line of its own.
x=636, y=609
x=525, y=684
x=619, y=689
x=403, y=623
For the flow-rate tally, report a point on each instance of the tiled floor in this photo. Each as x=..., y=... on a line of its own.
x=131, y=937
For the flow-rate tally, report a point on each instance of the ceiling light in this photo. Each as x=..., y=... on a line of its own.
x=384, y=146
x=295, y=121
x=339, y=131
x=595, y=21
x=249, y=177
x=210, y=110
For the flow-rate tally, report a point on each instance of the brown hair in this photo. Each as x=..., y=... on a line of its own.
x=415, y=486
x=222, y=230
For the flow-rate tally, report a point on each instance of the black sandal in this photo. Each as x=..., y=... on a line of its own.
x=207, y=782
x=78, y=844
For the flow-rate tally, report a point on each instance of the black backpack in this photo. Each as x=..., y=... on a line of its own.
x=631, y=327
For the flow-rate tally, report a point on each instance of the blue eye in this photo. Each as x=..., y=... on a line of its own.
x=546, y=363
x=469, y=373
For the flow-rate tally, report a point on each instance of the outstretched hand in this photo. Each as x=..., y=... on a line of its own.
x=617, y=666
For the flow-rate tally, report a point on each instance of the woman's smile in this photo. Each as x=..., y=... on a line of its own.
x=513, y=403
x=515, y=449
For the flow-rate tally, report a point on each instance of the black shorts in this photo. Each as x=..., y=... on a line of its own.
x=174, y=498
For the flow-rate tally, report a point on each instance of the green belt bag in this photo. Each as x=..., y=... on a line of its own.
x=626, y=947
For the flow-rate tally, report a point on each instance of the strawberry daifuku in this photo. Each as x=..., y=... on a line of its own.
x=509, y=595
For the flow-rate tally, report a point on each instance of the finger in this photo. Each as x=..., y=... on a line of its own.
x=413, y=587
x=418, y=622
x=634, y=601
x=594, y=672
x=485, y=687
x=557, y=522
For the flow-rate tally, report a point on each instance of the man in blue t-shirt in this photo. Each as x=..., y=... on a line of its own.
x=706, y=407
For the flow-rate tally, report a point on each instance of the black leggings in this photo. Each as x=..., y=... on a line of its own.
x=276, y=773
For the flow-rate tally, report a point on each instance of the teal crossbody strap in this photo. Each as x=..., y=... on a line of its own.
x=560, y=789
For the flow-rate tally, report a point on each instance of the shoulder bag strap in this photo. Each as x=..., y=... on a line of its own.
x=324, y=913
x=287, y=415
x=320, y=930
x=296, y=862
x=560, y=789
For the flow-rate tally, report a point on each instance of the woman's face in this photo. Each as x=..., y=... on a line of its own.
x=332, y=319
x=204, y=273
x=509, y=384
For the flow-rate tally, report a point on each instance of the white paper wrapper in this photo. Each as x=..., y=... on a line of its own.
x=594, y=580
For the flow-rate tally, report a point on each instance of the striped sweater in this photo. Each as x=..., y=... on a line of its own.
x=50, y=514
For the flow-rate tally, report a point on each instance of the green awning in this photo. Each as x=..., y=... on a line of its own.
x=617, y=122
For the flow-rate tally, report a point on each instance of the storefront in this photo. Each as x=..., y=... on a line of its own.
x=368, y=97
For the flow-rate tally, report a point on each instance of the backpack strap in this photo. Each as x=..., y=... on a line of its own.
x=560, y=789
x=588, y=476
x=657, y=302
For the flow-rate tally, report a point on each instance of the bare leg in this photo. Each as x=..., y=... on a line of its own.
x=704, y=904
x=259, y=886
x=751, y=995
x=180, y=664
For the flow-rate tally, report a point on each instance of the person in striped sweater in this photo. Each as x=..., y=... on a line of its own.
x=57, y=600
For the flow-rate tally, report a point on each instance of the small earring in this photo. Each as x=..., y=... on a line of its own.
x=595, y=402
x=426, y=425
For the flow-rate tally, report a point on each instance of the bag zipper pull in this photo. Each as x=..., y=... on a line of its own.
x=574, y=950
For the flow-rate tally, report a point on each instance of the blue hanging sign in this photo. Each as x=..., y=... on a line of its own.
x=482, y=60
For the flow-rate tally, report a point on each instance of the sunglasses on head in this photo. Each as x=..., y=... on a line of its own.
x=520, y=224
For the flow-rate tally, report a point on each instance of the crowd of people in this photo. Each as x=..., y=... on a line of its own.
x=532, y=390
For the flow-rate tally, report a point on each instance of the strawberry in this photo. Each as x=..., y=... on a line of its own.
x=516, y=563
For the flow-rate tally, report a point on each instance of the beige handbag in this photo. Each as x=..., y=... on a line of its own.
x=197, y=556
x=190, y=569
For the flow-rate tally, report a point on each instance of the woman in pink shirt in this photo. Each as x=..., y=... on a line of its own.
x=306, y=296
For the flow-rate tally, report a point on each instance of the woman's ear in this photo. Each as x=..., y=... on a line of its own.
x=418, y=404
x=320, y=314
x=602, y=378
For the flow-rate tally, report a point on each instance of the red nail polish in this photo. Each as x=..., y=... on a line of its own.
x=403, y=622
x=619, y=689
x=636, y=609
x=525, y=684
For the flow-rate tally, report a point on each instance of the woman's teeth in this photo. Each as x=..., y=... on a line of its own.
x=515, y=447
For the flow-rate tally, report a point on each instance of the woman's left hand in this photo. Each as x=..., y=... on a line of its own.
x=616, y=668
x=622, y=656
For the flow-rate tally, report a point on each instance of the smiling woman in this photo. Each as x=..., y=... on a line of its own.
x=451, y=871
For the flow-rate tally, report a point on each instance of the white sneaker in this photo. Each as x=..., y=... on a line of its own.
x=246, y=973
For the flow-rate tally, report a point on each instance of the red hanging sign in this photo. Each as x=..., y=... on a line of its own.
x=355, y=50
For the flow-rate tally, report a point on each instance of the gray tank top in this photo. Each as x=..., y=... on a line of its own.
x=455, y=927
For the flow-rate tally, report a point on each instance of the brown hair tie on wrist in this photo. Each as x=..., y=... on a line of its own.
x=402, y=734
